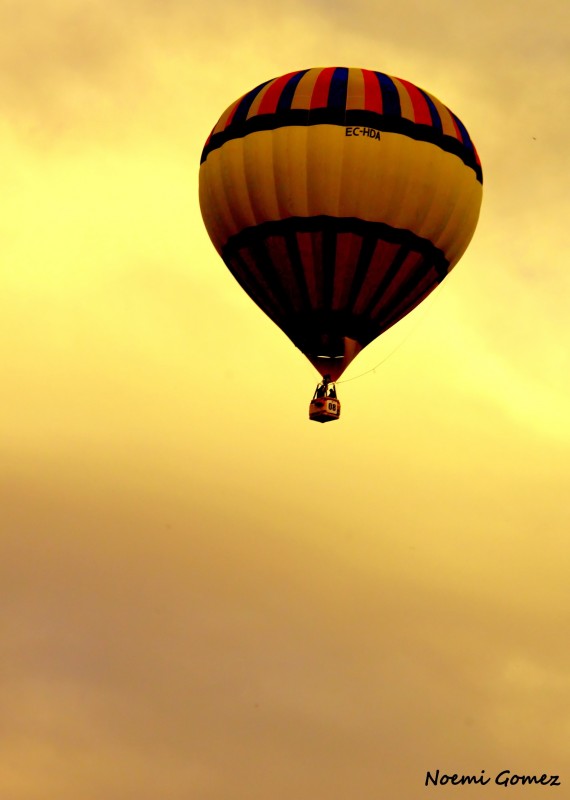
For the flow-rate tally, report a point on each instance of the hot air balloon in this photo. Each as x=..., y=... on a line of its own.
x=339, y=198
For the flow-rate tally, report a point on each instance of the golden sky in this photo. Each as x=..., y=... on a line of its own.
x=204, y=596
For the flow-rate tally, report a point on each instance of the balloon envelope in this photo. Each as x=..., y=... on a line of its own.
x=339, y=198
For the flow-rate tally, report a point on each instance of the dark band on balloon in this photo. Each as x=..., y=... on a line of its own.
x=380, y=294
x=376, y=231
x=343, y=118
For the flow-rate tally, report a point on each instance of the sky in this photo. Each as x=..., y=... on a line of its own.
x=202, y=594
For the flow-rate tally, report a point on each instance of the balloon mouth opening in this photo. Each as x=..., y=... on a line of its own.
x=330, y=346
x=335, y=361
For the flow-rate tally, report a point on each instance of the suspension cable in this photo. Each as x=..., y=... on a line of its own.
x=420, y=317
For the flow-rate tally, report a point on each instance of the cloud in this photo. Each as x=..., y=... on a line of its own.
x=148, y=633
x=169, y=644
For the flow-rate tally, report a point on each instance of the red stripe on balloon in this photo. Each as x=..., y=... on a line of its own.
x=422, y=115
x=320, y=96
x=372, y=92
x=272, y=94
x=232, y=113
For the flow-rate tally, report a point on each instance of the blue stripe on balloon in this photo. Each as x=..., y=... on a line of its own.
x=246, y=102
x=391, y=106
x=289, y=90
x=338, y=89
x=465, y=138
x=435, y=118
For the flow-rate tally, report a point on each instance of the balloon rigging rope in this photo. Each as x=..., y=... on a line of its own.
x=420, y=318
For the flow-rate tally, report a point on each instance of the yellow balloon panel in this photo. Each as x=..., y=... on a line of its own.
x=340, y=172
